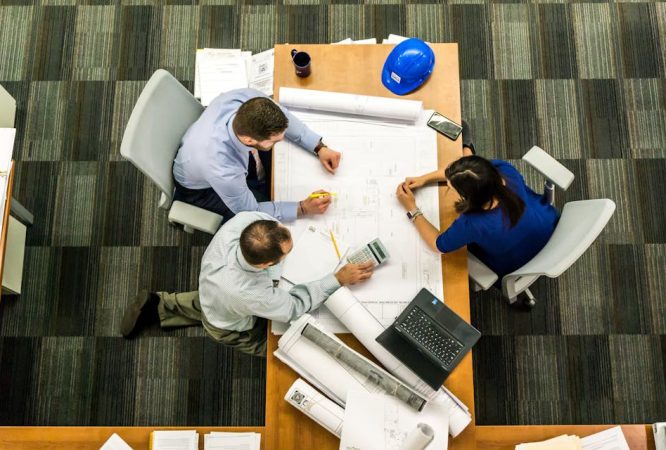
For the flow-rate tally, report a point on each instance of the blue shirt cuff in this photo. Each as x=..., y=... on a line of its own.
x=289, y=211
x=330, y=284
x=309, y=140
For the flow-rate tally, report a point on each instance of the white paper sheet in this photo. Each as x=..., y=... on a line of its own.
x=313, y=256
x=307, y=400
x=564, y=442
x=365, y=41
x=115, y=442
x=220, y=440
x=261, y=71
x=218, y=71
x=381, y=422
x=376, y=157
x=175, y=440
x=611, y=439
x=354, y=104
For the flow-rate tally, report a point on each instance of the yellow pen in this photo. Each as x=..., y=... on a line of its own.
x=322, y=194
x=335, y=245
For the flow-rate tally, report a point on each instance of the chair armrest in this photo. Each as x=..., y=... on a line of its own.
x=195, y=217
x=549, y=167
x=480, y=273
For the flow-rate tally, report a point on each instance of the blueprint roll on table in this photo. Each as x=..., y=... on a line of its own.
x=419, y=437
x=365, y=327
x=374, y=374
x=356, y=104
x=316, y=406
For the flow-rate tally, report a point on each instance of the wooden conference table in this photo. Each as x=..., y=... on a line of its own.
x=353, y=69
x=357, y=69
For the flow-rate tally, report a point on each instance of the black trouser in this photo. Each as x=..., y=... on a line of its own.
x=209, y=200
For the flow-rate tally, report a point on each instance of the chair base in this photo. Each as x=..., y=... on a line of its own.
x=528, y=303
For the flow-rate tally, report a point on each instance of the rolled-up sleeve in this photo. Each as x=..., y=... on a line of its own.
x=280, y=305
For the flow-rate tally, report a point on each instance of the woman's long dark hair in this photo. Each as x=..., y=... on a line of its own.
x=478, y=182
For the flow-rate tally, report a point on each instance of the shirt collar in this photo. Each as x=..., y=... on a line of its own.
x=242, y=262
x=238, y=145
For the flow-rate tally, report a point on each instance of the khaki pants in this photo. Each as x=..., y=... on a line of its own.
x=182, y=309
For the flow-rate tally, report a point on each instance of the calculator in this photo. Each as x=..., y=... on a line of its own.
x=373, y=251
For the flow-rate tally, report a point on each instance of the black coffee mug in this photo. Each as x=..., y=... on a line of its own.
x=301, y=62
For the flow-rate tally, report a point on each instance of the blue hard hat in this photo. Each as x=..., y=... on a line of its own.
x=408, y=66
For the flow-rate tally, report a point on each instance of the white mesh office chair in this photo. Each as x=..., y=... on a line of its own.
x=580, y=224
x=162, y=114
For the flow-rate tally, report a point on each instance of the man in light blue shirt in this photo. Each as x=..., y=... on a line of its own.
x=238, y=287
x=224, y=161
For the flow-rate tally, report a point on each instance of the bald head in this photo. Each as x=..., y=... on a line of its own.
x=265, y=242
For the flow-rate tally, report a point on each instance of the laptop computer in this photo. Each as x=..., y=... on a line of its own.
x=439, y=335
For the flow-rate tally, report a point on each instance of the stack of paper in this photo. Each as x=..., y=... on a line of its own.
x=219, y=70
x=232, y=441
x=174, y=440
x=611, y=439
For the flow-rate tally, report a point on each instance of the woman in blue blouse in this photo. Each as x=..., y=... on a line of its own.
x=502, y=221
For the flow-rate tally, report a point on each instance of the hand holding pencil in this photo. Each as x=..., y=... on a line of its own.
x=316, y=203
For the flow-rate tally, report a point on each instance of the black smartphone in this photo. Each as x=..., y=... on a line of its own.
x=444, y=125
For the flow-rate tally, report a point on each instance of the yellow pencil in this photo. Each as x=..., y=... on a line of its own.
x=335, y=245
x=322, y=194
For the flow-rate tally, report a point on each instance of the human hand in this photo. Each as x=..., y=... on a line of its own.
x=330, y=159
x=415, y=182
x=406, y=197
x=354, y=273
x=317, y=205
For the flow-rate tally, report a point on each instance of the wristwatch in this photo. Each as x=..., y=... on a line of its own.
x=319, y=147
x=411, y=215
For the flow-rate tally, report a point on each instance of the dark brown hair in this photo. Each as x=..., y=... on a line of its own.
x=260, y=118
x=261, y=241
x=478, y=181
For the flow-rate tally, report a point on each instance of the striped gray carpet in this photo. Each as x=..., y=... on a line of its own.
x=586, y=81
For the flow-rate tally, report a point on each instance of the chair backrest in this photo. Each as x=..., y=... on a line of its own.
x=162, y=114
x=580, y=224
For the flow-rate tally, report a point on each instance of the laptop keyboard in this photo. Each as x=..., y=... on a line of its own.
x=424, y=330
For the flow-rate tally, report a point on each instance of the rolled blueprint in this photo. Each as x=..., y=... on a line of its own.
x=307, y=400
x=365, y=327
x=374, y=374
x=419, y=437
x=361, y=105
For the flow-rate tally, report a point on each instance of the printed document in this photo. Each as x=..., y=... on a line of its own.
x=175, y=440
x=217, y=440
